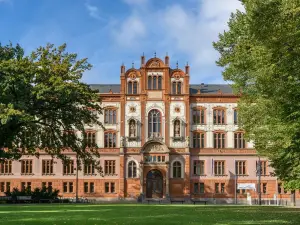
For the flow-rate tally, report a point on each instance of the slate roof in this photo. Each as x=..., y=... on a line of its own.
x=204, y=88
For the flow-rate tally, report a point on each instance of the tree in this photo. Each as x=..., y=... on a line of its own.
x=43, y=104
x=260, y=54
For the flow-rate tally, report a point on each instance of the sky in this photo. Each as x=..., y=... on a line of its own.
x=112, y=32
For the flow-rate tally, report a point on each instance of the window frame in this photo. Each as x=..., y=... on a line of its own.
x=198, y=115
x=110, y=139
x=110, y=116
x=219, y=139
x=219, y=116
x=199, y=139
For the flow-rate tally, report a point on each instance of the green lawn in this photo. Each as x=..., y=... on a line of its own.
x=145, y=214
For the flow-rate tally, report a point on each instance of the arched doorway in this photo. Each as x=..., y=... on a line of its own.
x=154, y=184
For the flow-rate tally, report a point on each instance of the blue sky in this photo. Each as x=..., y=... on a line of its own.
x=109, y=32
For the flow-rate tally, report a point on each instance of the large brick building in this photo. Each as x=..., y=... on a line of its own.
x=164, y=137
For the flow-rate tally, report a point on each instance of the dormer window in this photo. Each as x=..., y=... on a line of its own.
x=132, y=88
x=176, y=88
x=154, y=82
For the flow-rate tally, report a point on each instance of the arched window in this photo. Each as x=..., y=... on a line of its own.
x=154, y=82
x=159, y=83
x=129, y=87
x=135, y=88
x=132, y=128
x=132, y=169
x=176, y=88
x=177, y=128
x=110, y=140
x=150, y=82
x=132, y=87
x=154, y=123
x=176, y=169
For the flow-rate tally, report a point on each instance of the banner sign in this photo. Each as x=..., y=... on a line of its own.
x=250, y=186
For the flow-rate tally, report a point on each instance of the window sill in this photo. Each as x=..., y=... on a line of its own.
x=27, y=174
x=48, y=174
x=242, y=175
x=90, y=174
x=70, y=174
x=224, y=175
x=6, y=174
x=200, y=175
x=110, y=192
x=110, y=174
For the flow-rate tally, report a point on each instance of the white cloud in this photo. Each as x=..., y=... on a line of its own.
x=185, y=31
x=130, y=32
x=93, y=11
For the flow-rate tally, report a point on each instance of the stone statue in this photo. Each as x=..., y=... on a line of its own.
x=132, y=129
x=122, y=140
x=187, y=141
x=177, y=128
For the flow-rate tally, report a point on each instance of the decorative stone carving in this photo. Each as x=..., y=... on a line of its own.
x=155, y=64
x=154, y=147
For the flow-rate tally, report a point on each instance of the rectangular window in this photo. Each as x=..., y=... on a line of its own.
x=65, y=187
x=263, y=168
x=239, y=141
x=69, y=168
x=86, y=187
x=106, y=187
x=92, y=187
x=89, y=169
x=217, y=188
x=264, y=188
x=2, y=185
x=112, y=187
x=198, y=167
x=219, y=140
x=47, y=167
x=198, y=140
x=26, y=167
x=201, y=188
x=6, y=167
x=235, y=117
x=219, y=168
x=110, y=140
x=70, y=187
x=110, y=116
x=198, y=116
x=240, y=168
x=90, y=138
x=110, y=167
x=219, y=116
x=196, y=187
x=222, y=188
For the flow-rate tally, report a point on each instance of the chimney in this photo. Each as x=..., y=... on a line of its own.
x=187, y=69
x=167, y=59
x=142, y=60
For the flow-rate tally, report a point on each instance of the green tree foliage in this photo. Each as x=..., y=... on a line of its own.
x=260, y=54
x=43, y=103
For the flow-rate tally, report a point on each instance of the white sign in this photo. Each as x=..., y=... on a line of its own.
x=250, y=186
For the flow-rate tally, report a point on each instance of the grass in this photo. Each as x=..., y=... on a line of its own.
x=134, y=214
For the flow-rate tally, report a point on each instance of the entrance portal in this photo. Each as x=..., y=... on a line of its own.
x=154, y=184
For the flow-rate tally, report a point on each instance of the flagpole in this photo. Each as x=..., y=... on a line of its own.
x=235, y=183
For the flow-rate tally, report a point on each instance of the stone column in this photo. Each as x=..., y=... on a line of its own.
x=167, y=181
